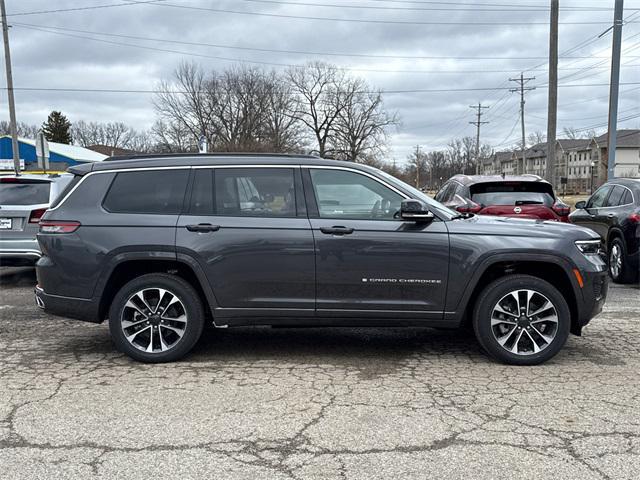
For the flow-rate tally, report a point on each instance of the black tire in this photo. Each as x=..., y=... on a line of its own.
x=192, y=308
x=493, y=294
x=624, y=273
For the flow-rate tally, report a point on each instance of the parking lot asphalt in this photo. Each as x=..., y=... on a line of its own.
x=314, y=403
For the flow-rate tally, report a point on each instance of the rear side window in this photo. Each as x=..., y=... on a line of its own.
x=512, y=193
x=23, y=191
x=616, y=196
x=627, y=197
x=255, y=192
x=151, y=191
x=65, y=191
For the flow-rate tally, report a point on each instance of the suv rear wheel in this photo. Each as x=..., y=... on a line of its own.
x=156, y=318
x=521, y=320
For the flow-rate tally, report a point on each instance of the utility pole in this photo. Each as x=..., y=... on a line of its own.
x=477, y=123
x=12, y=107
x=614, y=88
x=552, y=112
x=418, y=166
x=522, y=81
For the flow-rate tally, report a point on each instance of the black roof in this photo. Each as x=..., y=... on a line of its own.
x=213, y=159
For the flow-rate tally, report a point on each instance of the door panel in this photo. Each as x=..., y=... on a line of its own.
x=382, y=265
x=256, y=251
x=367, y=261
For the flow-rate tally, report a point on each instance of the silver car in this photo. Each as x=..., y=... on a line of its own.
x=23, y=200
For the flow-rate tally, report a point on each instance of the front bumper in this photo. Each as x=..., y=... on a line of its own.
x=594, y=296
x=70, y=307
x=19, y=252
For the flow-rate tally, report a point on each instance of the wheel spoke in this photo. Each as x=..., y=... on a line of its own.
x=528, y=306
x=130, y=304
x=129, y=324
x=516, y=295
x=545, y=306
x=133, y=336
x=498, y=308
x=177, y=331
x=140, y=296
x=514, y=349
x=163, y=346
x=150, y=346
x=498, y=321
x=181, y=318
x=550, y=318
x=546, y=338
x=505, y=338
x=536, y=348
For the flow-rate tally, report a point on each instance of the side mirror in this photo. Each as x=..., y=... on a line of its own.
x=415, y=210
x=581, y=205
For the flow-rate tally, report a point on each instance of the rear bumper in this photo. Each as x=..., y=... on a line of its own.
x=82, y=309
x=19, y=252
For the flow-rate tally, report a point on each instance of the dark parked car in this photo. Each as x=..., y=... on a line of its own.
x=522, y=196
x=23, y=200
x=613, y=211
x=161, y=245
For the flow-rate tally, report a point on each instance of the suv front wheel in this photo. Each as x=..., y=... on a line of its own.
x=521, y=320
x=156, y=318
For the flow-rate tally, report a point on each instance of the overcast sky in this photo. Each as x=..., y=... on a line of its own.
x=396, y=45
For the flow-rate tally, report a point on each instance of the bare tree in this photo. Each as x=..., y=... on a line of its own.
x=171, y=136
x=536, y=137
x=24, y=129
x=570, y=133
x=318, y=87
x=362, y=123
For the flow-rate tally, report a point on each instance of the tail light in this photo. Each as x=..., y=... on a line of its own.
x=36, y=215
x=635, y=217
x=469, y=207
x=561, y=208
x=54, y=226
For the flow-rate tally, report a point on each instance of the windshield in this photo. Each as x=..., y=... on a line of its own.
x=418, y=195
x=512, y=193
x=23, y=192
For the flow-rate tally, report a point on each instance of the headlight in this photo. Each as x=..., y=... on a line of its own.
x=589, y=247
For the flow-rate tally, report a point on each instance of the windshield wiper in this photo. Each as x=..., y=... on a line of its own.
x=463, y=216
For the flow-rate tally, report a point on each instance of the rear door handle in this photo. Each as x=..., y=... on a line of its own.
x=336, y=230
x=203, y=228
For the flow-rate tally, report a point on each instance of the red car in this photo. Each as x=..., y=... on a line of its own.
x=521, y=196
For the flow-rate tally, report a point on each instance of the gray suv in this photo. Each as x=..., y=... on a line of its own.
x=162, y=245
x=23, y=200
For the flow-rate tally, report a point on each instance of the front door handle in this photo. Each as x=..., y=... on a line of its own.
x=203, y=228
x=338, y=230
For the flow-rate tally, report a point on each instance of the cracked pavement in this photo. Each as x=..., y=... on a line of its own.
x=314, y=403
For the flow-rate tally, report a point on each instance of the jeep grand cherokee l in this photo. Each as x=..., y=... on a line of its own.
x=160, y=245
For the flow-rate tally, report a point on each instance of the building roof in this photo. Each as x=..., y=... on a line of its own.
x=73, y=152
x=111, y=151
x=626, y=138
x=573, y=143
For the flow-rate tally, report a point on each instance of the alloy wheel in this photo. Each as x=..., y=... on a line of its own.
x=524, y=322
x=615, y=261
x=153, y=320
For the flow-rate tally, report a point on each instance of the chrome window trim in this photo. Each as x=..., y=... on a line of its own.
x=633, y=200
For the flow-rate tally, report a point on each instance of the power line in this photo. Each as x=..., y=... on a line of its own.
x=64, y=32
x=363, y=20
x=391, y=92
x=77, y=9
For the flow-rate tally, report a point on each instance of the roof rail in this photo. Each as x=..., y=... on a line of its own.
x=213, y=154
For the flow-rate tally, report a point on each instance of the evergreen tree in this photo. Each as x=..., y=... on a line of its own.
x=57, y=128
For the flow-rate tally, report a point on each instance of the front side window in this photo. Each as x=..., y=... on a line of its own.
x=158, y=192
x=350, y=195
x=255, y=192
x=598, y=198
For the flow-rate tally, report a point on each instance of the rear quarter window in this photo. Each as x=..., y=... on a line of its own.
x=24, y=192
x=159, y=192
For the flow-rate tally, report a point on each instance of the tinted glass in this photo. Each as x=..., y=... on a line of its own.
x=440, y=195
x=615, y=196
x=202, y=193
x=152, y=191
x=69, y=186
x=262, y=192
x=598, y=198
x=24, y=192
x=512, y=193
x=343, y=194
x=626, y=198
